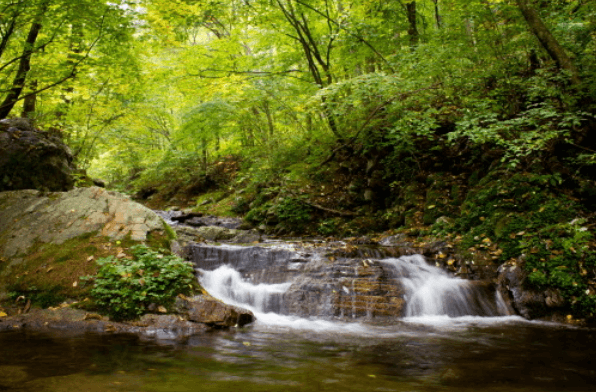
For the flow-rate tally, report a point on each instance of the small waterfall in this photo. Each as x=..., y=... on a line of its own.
x=430, y=291
x=282, y=285
x=226, y=284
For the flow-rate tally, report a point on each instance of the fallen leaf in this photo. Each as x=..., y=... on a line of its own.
x=75, y=283
x=2, y=314
x=247, y=344
x=162, y=309
x=90, y=258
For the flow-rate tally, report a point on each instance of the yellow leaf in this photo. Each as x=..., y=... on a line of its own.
x=2, y=314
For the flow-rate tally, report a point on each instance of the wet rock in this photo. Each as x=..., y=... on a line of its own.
x=246, y=237
x=531, y=304
x=394, y=240
x=33, y=159
x=183, y=217
x=213, y=312
x=171, y=327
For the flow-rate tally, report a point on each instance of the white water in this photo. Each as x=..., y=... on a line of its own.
x=432, y=297
x=265, y=301
x=430, y=292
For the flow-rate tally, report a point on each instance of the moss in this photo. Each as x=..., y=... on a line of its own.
x=170, y=233
x=50, y=273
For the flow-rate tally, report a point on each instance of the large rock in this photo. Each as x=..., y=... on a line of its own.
x=33, y=159
x=28, y=217
x=214, y=313
x=531, y=304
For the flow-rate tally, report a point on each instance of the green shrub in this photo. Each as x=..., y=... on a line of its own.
x=124, y=288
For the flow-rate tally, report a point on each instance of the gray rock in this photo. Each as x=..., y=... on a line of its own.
x=29, y=216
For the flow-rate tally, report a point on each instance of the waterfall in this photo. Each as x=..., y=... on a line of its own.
x=289, y=287
x=430, y=291
x=226, y=284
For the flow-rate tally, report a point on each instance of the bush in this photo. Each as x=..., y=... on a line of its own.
x=124, y=288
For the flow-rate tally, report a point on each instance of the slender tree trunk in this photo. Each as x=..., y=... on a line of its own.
x=413, y=29
x=24, y=66
x=7, y=35
x=30, y=101
x=547, y=40
x=270, y=122
x=437, y=14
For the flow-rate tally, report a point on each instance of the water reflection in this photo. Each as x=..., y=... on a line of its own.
x=496, y=357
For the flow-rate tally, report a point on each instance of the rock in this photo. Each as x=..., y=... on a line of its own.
x=33, y=159
x=30, y=216
x=246, y=237
x=186, y=216
x=163, y=327
x=394, y=240
x=31, y=219
x=528, y=303
x=213, y=312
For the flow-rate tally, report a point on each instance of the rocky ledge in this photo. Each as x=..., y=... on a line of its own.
x=193, y=316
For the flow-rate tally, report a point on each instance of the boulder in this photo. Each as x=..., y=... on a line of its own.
x=30, y=217
x=531, y=304
x=212, y=312
x=33, y=159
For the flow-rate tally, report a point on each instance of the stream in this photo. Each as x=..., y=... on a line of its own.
x=323, y=324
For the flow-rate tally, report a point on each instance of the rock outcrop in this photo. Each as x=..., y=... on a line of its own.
x=28, y=217
x=33, y=159
x=37, y=229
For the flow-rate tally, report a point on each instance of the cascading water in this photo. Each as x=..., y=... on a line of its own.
x=226, y=284
x=430, y=291
x=304, y=289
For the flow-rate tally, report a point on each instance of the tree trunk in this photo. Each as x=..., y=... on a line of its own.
x=30, y=101
x=547, y=40
x=413, y=29
x=24, y=67
x=437, y=14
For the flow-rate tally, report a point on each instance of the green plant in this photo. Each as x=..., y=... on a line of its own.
x=124, y=288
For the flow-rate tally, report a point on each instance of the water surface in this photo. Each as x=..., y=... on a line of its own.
x=437, y=355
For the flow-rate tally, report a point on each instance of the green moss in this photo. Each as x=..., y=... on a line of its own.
x=170, y=233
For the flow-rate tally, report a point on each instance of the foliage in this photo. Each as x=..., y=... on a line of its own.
x=124, y=288
x=528, y=219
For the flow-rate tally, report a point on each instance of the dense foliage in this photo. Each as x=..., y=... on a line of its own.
x=125, y=288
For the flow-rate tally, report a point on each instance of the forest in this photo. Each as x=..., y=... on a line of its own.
x=467, y=120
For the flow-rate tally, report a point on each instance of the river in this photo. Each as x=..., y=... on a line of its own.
x=440, y=355
x=443, y=343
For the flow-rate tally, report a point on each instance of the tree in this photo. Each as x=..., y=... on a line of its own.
x=47, y=51
x=547, y=40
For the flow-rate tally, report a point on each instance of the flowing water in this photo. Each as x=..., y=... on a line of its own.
x=455, y=335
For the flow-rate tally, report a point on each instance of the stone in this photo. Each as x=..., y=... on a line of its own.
x=212, y=312
x=33, y=159
x=31, y=216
